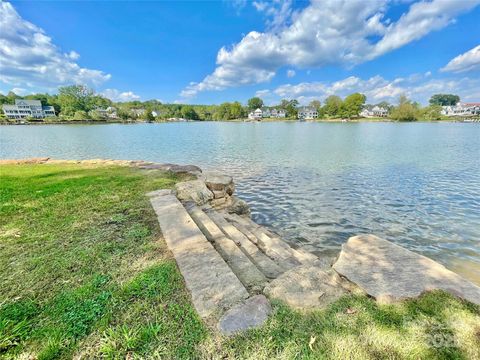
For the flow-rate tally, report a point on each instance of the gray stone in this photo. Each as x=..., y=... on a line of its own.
x=217, y=181
x=193, y=190
x=212, y=284
x=239, y=207
x=266, y=265
x=178, y=169
x=306, y=287
x=251, y=314
x=242, y=266
x=390, y=272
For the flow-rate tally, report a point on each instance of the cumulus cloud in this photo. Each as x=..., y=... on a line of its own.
x=469, y=61
x=117, y=96
x=324, y=32
x=29, y=57
x=417, y=87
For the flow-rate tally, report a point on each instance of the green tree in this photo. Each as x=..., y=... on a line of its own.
x=75, y=98
x=444, y=99
x=316, y=104
x=333, y=106
x=236, y=110
x=255, y=103
x=352, y=105
x=432, y=112
x=80, y=115
x=188, y=112
x=405, y=111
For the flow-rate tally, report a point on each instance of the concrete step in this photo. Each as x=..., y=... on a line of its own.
x=213, y=285
x=266, y=265
x=251, y=277
x=274, y=251
x=268, y=241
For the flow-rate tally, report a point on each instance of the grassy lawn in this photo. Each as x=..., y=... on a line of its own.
x=85, y=273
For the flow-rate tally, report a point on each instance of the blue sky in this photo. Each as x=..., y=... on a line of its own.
x=216, y=51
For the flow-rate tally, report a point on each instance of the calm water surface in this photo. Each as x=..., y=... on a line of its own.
x=317, y=184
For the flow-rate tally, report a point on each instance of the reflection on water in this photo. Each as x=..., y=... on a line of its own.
x=317, y=184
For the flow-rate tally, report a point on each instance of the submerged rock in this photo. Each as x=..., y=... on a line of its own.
x=193, y=190
x=306, y=287
x=239, y=207
x=250, y=314
x=390, y=272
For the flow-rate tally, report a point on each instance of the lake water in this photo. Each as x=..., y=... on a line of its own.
x=316, y=183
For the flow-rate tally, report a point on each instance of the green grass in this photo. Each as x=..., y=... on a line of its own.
x=86, y=274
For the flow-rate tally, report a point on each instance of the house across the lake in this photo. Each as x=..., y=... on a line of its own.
x=376, y=111
x=266, y=112
x=28, y=109
x=307, y=113
x=461, y=109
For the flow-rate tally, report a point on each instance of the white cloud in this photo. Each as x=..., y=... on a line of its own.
x=29, y=58
x=417, y=87
x=290, y=73
x=325, y=32
x=19, y=91
x=117, y=96
x=469, y=61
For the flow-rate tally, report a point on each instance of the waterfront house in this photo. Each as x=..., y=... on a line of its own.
x=307, y=113
x=256, y=115
x=278, y=113
x=28, y=109
x=376, y=111
x=461, y=109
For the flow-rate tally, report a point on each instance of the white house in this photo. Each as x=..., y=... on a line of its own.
x=461, y=109
x=376, y=111
x=28, y=108
x=307, y=113
x=278, y=113
x=256, y=115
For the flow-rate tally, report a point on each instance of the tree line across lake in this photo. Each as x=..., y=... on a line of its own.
x=77, y=102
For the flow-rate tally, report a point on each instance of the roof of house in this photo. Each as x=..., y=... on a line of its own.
x=307, y=108
x=28, y=102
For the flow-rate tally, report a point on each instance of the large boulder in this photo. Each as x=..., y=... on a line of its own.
x=219, y=183
x=390, y=272
x=306, y=287
x=250, y=314
x=193, y=190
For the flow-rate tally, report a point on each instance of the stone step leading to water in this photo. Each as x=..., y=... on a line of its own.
x=251, y=277
x=212, y=284
x=266, y=265
x=390, y=272
x=273, y=245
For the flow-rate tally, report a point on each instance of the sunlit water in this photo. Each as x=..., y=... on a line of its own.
x=317, y=184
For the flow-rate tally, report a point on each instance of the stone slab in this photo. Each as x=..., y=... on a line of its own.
x=266, y=265
x=251, y=314
x=242, y=266
x=273, y=245
x=390, y=272
x=211, y=282
x=193, y=190
x=216, y=181
x=306, y=287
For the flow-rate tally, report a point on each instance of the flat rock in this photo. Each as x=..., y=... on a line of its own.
x=177, y=169
x=389, y=272
x=211, y=282
x=306, y=287
x=193, y=190
x=251, y=314
x=217, y=181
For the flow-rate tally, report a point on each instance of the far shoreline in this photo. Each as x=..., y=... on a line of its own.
x=133, y=122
